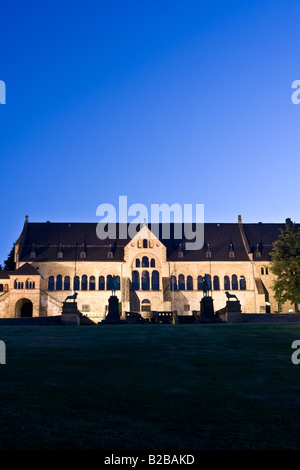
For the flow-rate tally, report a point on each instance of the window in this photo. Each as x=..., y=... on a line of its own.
x=231, y=254
x=145, y=243
x=85, y=308
x=152, y=263
x=101, y=283
x=200, y=283
x=234, y=282
x=181, y=282
x=135, y=280
x=92, y=283
x=146, y=305
x=242, y=283
x=67, y=283
x=267, y=270
x=186, y=308
x=262, y=270
x=76, y=283
x=29, y=284
x=258, y=254
x=60, y=254
x=180, y=254
x=84, y=282
x=5, y=287
x=226, y=283
x=145, y=280
x=216, y=283
x=51, y=283
x=1, y=288
x=83, y=255
x=32, y=254
x=110, y=254
x=189, y=283
x=108, y=282
x=59, y=282
x=155, y=280
x=173, y=283
x=118, y=282
x=208, y=254
x=145, y=262
x=137, y=263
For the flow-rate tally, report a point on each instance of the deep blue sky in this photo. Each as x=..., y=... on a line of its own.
x=162, y=101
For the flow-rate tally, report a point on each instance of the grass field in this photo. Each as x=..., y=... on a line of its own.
x=146, y=387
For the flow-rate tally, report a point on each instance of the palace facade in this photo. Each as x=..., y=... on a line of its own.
x=53, y=260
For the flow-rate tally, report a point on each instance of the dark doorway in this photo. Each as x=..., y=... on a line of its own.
x=26, y=310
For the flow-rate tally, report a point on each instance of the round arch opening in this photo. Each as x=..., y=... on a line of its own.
x=24, y=308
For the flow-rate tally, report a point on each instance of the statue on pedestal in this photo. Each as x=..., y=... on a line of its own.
x=206, y=285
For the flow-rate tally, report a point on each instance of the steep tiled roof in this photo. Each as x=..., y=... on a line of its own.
x=46, y=238
x=26, y=270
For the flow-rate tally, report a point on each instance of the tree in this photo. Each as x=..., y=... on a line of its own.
x=9, y=263
x=286, y=265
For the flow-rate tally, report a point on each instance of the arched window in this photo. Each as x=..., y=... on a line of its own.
x=146, y=305
x=51, y=283
x=145, y=243
x=181, y=282
x=29, y=284
x=101, y=283
x=242, y=283
x=234, y=282
x=76, y=283
x=152, y=263
x=135, y=280
x=145, y=280
x=5, y=287
x=173, y=283
x=108, y=282
x=118, y=282
x=262, y=270
x=145, y=262
x=1, y=288
x=267, y=270
x=84, y=282
x=155, y=280
x=92, y=283
x=200, y=283
x=216, y=283
x=226, y=283
x=16, y=284
x=137, y=263
x=189, y=283
x=59, y=282
x=67, y=283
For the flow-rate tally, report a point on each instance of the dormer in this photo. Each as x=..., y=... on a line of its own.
x=33, y=252
x=257, y=252
x=82, y=254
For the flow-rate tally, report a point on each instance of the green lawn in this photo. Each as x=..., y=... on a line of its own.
x=146, y=387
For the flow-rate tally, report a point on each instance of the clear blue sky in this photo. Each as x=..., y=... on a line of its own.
x=163, y=101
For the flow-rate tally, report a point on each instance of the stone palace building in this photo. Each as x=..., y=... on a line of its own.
x=54, y=260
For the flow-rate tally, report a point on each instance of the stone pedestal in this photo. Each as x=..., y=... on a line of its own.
x=233, y=311
x=113, y=316
x=207, y=314
x=70, y=315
